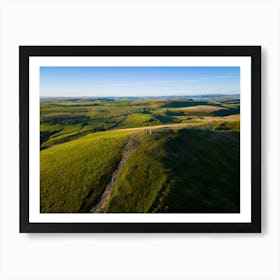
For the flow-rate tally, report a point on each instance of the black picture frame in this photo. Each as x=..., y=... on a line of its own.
x=25, y=52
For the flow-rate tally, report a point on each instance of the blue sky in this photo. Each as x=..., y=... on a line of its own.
x=137, y=81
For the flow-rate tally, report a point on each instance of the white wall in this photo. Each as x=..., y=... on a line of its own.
x=131, y=256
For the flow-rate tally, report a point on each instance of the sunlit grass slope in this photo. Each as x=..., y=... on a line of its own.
x=143, y=176
x=73, y=175
x=184, y=170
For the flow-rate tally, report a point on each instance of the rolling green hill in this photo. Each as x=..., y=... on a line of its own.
x=64, y=120
x=184, y=158
x=181, y=171
x=74, y=174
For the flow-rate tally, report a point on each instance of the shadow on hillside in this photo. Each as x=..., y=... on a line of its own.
x=204, y=172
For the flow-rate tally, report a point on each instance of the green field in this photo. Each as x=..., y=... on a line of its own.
x=176, y=155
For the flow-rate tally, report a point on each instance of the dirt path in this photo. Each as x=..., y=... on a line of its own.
x=129, y=148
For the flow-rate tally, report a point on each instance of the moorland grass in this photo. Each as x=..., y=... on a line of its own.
x=73, y=175
x=172, y=169
x=143, y=176
x=180, y=171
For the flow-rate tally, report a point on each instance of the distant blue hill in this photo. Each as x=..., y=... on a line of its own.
x=112, y=98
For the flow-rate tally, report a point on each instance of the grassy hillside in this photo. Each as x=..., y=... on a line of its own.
x=204, y=172
x=143, y=176
x=74, y=174
x=186, y=158
x=182, y=170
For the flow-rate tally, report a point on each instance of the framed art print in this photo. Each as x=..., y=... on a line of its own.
x=140, y=138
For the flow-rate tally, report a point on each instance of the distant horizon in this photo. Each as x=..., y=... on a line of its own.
x=142, y=96
x=138, y=81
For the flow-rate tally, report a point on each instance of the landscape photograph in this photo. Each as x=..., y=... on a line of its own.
x=141, y=139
